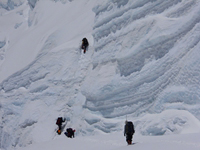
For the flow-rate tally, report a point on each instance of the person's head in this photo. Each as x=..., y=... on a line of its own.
x=126, y=122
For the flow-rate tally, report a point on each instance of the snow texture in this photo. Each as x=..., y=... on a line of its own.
x=142, y=64
x=117, y=141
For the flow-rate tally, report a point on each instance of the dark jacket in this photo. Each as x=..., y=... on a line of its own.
x=85, y=42
x=129, y=128
x=59, y=121
x=70, y=132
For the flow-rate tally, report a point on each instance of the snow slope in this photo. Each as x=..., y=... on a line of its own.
x=142, y=64
x=117, y=141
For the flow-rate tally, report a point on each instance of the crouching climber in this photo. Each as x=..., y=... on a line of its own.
x=70, y=132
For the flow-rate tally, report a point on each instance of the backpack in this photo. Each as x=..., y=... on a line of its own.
x=69, y=130
x=85, y=42
x=129, y=128
x=59, y=120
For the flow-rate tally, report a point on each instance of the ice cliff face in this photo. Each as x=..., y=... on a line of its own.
x=11, y=4
x=150, y=44
x=143, y=61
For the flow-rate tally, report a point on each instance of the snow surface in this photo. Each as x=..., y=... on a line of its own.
x=116, y=141
x=142, y=64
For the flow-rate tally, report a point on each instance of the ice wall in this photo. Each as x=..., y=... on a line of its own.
x=148, y=45
x=10, y=4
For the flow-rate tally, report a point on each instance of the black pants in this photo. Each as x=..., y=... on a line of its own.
x=84, y=47
x=129, y=137
x=69, y=135
x=59, y=127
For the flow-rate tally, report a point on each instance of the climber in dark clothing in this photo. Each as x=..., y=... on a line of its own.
x=70, y=132
x=129, y=131
x=59, y=122
x=84, y=45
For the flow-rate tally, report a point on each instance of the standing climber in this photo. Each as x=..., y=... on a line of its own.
x=59, y=122
x=84, y=45
x=129, y=131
